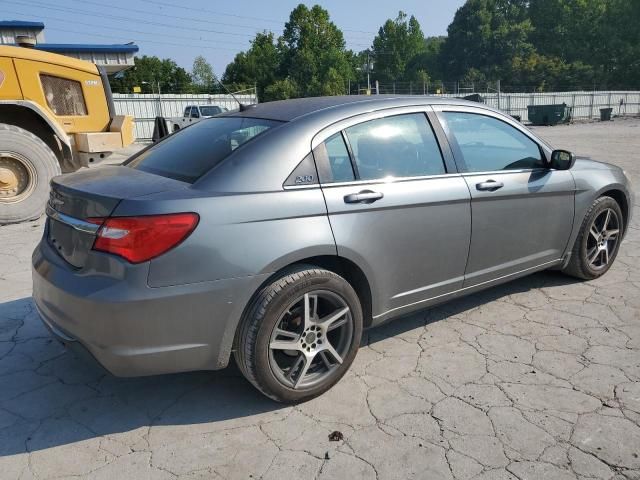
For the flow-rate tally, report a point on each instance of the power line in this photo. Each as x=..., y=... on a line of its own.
x=137, y=32
x=140, y=32
x=190, y=19
x=148, y=41
x=127, y=19
x=200, y=9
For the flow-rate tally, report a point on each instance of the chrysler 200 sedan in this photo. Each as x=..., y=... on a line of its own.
x=278, y=232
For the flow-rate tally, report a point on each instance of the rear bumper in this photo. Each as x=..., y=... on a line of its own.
x=132, y=329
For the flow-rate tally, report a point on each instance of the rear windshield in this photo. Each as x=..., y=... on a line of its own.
x=192, y=152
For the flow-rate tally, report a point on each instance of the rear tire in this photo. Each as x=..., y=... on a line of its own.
x=323, y=344
x=24, y=158
x=598, y=241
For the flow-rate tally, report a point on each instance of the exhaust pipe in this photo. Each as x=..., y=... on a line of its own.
x=25, y=41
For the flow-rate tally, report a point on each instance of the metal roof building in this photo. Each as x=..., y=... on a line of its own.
x=114, y=58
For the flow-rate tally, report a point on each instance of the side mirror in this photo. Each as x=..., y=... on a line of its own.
x=562, y=159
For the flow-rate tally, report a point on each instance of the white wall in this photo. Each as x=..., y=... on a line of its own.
x=146, y=107
x=586, y=105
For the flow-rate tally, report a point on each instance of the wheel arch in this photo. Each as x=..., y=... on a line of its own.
x=353, y=274
x=29, y=116
x=342, y=266
x=621, y=198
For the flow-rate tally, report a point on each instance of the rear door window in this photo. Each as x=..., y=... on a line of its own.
x=190, y=153
x=395, y=146
x=334, y=152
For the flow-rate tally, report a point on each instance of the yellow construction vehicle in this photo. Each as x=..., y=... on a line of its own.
x=56, y=115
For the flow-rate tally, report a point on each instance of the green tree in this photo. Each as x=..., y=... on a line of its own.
x=429, y=61
x=259, y=66
x=486, y=35
x=149, y=72
x=568, y=29
x=396, y=44
x=621, y=40
x=313, y=53
x=202, y=74
x=281, y=90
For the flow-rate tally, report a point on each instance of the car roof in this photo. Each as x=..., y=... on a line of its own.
x=288, y=110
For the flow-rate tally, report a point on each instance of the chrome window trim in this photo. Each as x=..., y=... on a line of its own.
x=388, y=180
x=489, y=112
x=301, y=187
x=340, y=125
x=75, y=223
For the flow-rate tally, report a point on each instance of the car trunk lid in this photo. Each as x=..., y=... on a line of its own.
x=78, y=199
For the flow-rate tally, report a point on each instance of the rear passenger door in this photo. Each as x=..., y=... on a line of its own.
x=396, y=206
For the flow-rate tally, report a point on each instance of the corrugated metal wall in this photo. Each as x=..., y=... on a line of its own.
x=146, y=107
x=586, y=105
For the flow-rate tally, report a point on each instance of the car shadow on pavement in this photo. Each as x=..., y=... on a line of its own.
x=50, y=397
x=398, y=326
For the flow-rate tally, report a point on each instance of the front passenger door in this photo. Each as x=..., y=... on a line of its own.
x=522, y=211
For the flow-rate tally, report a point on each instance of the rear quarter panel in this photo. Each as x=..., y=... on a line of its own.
x=239, y=235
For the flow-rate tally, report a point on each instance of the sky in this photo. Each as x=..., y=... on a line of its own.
x=217, y=30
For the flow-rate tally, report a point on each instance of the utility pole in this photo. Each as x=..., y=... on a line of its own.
x=159, y=98
x=368, y=67
x=368, y=72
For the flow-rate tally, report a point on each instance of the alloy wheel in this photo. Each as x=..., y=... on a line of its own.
x=603, y=238
x=311, y=339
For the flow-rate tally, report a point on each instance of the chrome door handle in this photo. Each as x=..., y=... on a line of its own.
x=365, y=196
x=489, y=185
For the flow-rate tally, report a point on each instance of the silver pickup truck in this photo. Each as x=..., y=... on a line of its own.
x=193, y=114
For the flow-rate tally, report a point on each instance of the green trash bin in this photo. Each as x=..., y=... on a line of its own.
x=605, y=114
x=549, y=114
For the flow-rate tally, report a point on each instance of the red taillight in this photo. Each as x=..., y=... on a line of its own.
x=138, y=239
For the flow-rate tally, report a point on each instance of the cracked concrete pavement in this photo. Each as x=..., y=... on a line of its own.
x=536, y=379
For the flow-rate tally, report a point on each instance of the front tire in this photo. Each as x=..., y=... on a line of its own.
x=27, y=166
x=598, y=241
x=300, y=334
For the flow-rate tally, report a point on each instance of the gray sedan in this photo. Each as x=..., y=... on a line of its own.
x=278, y=232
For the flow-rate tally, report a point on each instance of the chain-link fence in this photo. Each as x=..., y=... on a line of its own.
x=146, y=107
